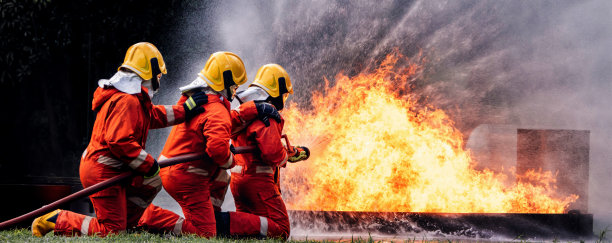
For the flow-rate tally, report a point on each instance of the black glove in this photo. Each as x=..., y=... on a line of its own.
x=265, y=111
x=232, y=149
x=153, y=171
x=193, y=105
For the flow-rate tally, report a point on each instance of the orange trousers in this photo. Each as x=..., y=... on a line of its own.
x=117, y=208
x=260, y=207
x=199, y=197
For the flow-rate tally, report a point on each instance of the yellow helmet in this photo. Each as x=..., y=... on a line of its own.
x=145, y=60
x=223, y=70
x=274, y=80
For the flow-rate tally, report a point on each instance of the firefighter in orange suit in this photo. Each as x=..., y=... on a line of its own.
x=124, y=116
x=200, y=186
x=260, y=208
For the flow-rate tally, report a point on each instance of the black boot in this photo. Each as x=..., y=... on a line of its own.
x=223, y=224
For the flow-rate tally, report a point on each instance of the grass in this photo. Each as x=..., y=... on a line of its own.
x=602, y=236
x=24, y=235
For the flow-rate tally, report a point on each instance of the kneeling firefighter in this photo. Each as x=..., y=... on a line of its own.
x=200, y=186
x=260, y=208
x=125, y=114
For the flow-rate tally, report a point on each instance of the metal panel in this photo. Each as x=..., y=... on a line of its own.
x=565, y=152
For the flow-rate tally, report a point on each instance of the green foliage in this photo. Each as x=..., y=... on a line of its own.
x=520, y=238
x=601, y=237
x=40, y=32
x=52, y=53
x=24, y=39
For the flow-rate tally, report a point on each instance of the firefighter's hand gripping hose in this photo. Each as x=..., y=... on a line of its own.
x=301, y=153
x=265, y=111
x=193, y=105
x=153, y=171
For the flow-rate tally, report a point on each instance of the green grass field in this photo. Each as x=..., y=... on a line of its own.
x=24, y=235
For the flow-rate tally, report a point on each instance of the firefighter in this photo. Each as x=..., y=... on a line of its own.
x=200, y=186
x=260, y=210
x=124, y=116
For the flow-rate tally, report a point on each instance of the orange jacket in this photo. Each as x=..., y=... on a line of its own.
x=268, y=141
x=242, y=117
x=208, y=131
x=122, y=123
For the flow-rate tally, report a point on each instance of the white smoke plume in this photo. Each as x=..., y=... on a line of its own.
x=527, y=64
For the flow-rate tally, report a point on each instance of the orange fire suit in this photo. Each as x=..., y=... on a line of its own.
x=198, y=186
x=259, y=205
x=118, y=144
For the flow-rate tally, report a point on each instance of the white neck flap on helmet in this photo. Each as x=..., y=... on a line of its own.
x=126, y=82
x=252, y=93
x=198, y=84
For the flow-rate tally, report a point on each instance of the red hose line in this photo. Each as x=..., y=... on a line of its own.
x=110, y=182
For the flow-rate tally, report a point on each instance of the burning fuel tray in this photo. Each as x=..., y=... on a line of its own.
x=572, y=225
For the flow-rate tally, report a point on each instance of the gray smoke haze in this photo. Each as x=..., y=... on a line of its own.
x=526, y=64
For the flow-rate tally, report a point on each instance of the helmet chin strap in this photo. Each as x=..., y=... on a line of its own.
x=155, y=83
x=155, y=71
x=228, y=94
x=228, y=82
x=238, y=98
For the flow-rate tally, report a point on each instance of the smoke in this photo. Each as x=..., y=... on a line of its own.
x=527, y=64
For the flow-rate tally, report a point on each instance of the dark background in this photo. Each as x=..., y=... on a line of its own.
x=53, y=53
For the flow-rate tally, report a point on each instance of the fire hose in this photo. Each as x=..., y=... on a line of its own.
x=110, y=182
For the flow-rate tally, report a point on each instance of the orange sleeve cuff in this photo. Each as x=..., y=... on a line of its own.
x=248, y=111
x=179, y=113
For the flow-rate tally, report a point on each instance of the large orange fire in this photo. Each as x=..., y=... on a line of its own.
x=373, y=149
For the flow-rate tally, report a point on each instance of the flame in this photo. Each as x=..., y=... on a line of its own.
x=376, y=149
